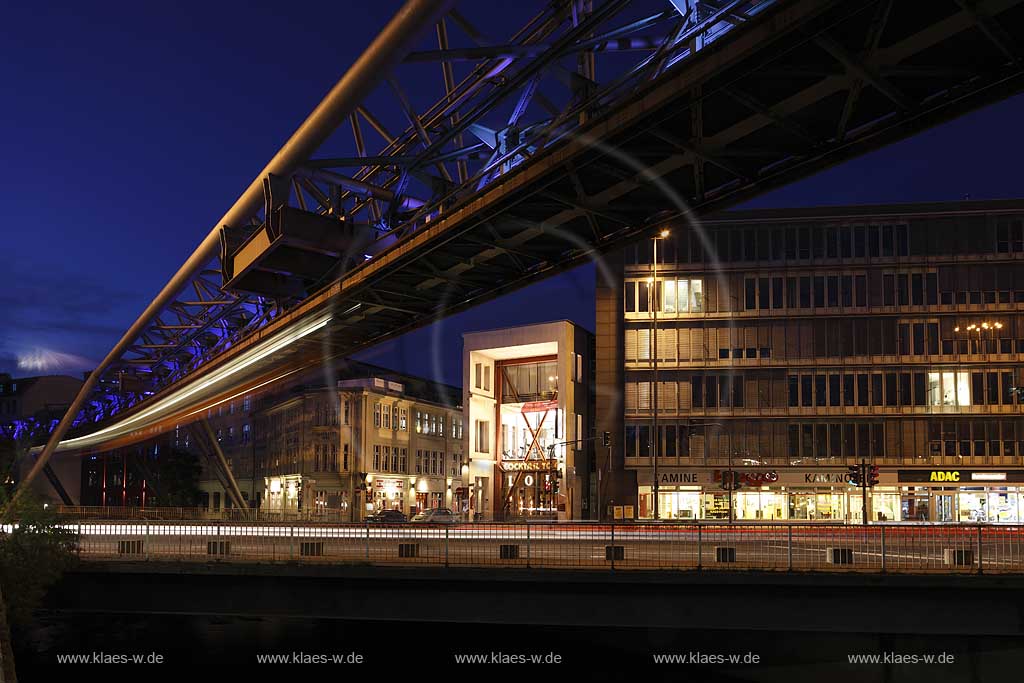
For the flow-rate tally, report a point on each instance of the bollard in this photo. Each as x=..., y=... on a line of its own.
x=527, y=546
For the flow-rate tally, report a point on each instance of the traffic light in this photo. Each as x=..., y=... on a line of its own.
x=854, y=475
x=731, y=480
x=872, y=475
x=606, y=439
x=361, y=485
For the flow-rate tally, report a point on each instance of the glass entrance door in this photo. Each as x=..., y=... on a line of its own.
x=944, y=511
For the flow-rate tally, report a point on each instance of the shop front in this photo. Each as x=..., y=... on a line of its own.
x=825, y=495
x=766, y=495
x=955, y=495
x=530, y=488
x=388, y=493
x=430, y=494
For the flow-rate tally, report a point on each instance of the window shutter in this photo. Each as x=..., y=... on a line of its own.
x=631, y=397
x=685, y=403
x=643, y=343
x=779, y=347
x=667, y=395
x=667, y=345
x=684, y=343
x=631, y=350
x=697, y=343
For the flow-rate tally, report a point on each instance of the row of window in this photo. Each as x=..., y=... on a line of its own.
x=779, y=243
x=325, y=454
x=946, y=388
x=803, y=242
x=390, y=417
x=325, y=413
x=388, y=459
x=889, y=388
x=227, y=436
x=433, y=462
x=844, y=337
x=246, y=408
x=397, y=419
x=775, y=442
x=672, y=295
x=850, y=439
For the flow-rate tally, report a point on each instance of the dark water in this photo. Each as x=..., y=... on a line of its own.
x=200, y=648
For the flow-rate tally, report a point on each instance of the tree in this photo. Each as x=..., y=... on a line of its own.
x=177, y=475
x=35, y=550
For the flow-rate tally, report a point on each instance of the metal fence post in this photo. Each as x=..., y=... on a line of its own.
x=789, y=546
x=882, y=530
x=367, y=541
x=613, y=546
x=979, y=548
x=700, y=546
x=527, y=546
x=145, y=541
x=446, y=546
x=291, y=542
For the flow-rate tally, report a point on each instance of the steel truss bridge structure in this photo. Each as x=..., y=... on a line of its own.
x=591, y=125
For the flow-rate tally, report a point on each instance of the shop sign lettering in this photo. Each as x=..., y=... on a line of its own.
x=680, y=478
x=751, y=478
x=529, y=465
x=944, y=476
x=826, y=477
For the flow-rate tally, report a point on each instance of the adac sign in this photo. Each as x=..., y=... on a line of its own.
x=963, y=477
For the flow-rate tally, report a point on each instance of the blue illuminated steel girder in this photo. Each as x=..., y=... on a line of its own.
x=736, y=98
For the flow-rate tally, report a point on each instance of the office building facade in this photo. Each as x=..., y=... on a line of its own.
x=792, y=344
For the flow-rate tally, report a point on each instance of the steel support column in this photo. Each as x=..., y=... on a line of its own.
x=232, y=489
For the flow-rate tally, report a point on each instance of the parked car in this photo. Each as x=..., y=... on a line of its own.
x=436, y=516
x=388, y=517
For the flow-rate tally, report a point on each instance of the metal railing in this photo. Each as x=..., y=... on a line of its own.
x=117, y=513
x=962, y=549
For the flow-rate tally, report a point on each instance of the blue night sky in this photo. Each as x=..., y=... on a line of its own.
x=129, y=128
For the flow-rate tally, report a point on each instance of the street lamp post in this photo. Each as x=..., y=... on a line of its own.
x=655, y=304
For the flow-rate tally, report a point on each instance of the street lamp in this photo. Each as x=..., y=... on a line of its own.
x=656, y=303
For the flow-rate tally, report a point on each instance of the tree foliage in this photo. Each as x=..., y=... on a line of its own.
x=35, y=550
x=177, y=474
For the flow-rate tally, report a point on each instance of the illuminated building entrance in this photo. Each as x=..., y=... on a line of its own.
x=531, y=426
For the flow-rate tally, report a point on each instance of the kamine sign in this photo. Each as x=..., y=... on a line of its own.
x=747, y=476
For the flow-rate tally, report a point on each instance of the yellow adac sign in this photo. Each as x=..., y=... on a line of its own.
x=942, y=475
